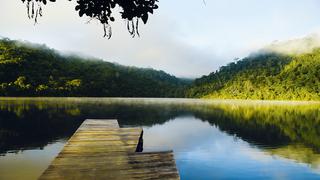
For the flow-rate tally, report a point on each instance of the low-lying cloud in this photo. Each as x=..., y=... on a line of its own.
x=183, y=38
x=296, y=46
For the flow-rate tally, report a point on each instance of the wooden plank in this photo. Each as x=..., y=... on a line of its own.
x=100, y=149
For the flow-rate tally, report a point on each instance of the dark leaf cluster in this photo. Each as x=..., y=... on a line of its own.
x=102, y=10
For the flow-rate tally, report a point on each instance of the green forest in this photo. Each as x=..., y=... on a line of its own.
x=264, y=75
x=35, y=70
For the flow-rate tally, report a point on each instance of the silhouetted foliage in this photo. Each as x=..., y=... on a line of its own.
x=102, y=10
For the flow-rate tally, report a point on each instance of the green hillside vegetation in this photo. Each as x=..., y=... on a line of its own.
x=35, y=70
x=266, y=75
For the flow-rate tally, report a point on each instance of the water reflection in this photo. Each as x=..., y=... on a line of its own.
x=28, y=164
x=211, y=139
x=203, y=149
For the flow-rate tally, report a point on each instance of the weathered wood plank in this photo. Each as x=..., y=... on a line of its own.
x=99, y=149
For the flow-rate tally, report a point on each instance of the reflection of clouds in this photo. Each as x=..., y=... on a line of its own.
x=183, y=133
x=316, y=170
x=201, y=148
x=256, y=154
x=197, y=139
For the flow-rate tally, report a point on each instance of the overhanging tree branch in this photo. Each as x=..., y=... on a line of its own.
x=102, y=10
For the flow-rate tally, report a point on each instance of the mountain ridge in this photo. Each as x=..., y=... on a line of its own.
x=270, y=73
x=28, y=69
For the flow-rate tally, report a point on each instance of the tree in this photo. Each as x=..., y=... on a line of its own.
x=41, y=71
x=102, y=10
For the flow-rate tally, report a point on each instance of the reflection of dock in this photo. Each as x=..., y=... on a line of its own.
x=99, y=149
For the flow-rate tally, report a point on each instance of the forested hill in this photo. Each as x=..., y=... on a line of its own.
x=36, y=70
x=265, y=75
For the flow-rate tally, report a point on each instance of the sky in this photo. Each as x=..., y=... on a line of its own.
x=186, y=38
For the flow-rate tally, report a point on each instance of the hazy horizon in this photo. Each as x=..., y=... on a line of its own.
x=191, y=41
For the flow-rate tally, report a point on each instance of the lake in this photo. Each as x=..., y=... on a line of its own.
x=211, y=139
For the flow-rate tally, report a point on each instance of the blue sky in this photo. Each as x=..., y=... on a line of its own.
x=186, y=38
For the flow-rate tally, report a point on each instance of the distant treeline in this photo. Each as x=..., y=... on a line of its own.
x=265, y=75
x=35, y=70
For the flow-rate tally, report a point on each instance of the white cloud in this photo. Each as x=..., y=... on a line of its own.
x=184, y=38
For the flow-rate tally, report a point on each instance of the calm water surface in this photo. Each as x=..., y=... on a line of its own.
x=210, y=139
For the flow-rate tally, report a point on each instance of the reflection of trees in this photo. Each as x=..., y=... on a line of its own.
x=250, y=131
x=27, y=127
x=295, y=123
x=292, y=132
x=29, y=123
x=299, y=153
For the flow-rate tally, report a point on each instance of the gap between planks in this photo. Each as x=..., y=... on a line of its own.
x=100, y=149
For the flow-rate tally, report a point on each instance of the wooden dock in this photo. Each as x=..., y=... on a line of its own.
x=99, y=149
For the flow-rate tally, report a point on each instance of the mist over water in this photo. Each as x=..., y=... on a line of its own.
x=210, y=139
